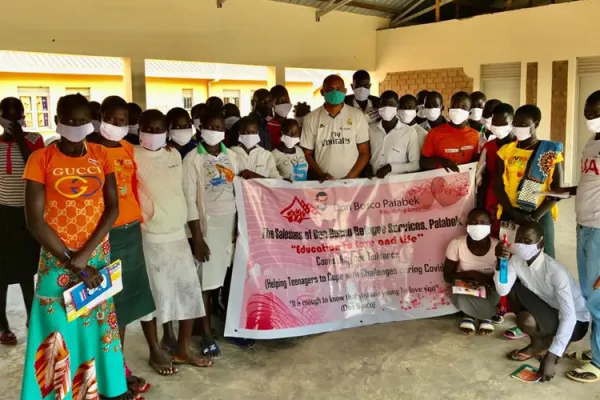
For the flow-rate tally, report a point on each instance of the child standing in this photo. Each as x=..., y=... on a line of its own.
x=255, y=162
x=289, y=157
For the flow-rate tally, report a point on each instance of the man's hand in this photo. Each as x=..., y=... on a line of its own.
x=548, y=367
x=383, y=171
x=247, y=174
x=201, y=251
x=502, y=251
x=301, y=109
x=450, y=166
x=325, y=177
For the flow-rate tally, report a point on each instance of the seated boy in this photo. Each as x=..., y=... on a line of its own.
x=472, y=258
x=544, y=297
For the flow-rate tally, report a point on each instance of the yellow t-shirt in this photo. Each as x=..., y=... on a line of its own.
x=515, y=165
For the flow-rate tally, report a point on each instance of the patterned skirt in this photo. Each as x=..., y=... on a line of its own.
x=71, y=360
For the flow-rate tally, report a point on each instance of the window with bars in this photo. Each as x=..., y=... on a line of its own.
x=36, y=102
x=84, y=91
x=231, y=96
x=188, y=98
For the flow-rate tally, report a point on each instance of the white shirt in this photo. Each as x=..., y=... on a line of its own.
x=259, y=161
x=422, y=134
x=371, y=113
x=587, y=201
x=291, y=166
x=552, y=283
x=399, y=148
x=160, y=191
x=334, y=140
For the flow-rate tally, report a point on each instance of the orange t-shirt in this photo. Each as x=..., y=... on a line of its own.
x=125, y=173
x=458, y=145
x=73, y=190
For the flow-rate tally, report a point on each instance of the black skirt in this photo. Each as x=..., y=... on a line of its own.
x=19, y=252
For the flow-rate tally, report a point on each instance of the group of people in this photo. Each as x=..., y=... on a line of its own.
x=156, y=192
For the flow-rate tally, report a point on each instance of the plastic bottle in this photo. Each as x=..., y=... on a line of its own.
x=504, y=265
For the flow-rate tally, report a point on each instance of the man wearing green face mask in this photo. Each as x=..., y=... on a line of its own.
x=335, y=137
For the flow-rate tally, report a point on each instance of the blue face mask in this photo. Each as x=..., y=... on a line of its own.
x=335, y=97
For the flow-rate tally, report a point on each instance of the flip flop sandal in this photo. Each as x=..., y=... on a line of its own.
x=519, y=355
x=158, y=367
x=581, y=356
x=137, y=385
x=213, y=347
x=8, y=338
x=588, y=373
x=485, y=326
x=515, y=333
x=243, y=344
x=190, y=361
x=467, y=324
x=497, y=319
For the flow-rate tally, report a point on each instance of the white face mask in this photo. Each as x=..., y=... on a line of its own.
x=458, y=115
x=289, y=142
x=501, y=131
x=432, y=114
x=153, y=141
x=487, y=122
x=300, y=121
x=134, y=129
x=113, y=132
x=74, y=134
x=475, y=114
x=213, y=138
x=525, y=251
x=181, y=136
x=479, y=232
x=96, y=124
x=283, y=110
x=361, y=93
x=388, y=113
x=230, y=122
x=421, y=111
x=4, y=123
x=593, y=125
x=522, y=133
x=407, y=116
x=197, y=125
x=249, y=141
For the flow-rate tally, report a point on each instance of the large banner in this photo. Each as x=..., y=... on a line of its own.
x=314, y=257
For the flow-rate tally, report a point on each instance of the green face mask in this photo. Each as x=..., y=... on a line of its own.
x=335, y=97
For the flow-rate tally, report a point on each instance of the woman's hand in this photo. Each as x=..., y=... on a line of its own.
x=247, y=174
x=201, y=251
x=77, y=261
x=90, y=276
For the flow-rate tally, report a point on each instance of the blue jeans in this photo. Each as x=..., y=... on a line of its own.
x=588, y=265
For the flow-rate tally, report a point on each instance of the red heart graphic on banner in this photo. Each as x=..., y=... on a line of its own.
x=449, y=191
x=423, y=193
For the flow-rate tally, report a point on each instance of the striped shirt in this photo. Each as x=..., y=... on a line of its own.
x=12, y=166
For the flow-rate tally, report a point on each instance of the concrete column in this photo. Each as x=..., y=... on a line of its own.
x=544, y=97
x=571, y=139
x=134, y=80
x=275, y=76
x=523, y=90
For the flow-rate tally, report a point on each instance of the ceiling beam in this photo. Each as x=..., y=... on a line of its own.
x=368, y=6
x=437, y=11
x=418, y=14
x=405, y=13
x=331, y=6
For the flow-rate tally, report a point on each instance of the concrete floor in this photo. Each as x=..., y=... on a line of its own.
x=424, y=359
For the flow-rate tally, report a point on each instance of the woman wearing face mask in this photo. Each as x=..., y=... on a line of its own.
x=526, y=168
x=81, y=358
x=289, y=157
x=407, y=113
x=486, y=121
x=135, y=301
x=281, y=109
x=19, y=251
x=421, y=96
x=472, y=258
x=208, y=174
x=134, y=117
x=181, y=132
x=176, y=288
x=255, y=162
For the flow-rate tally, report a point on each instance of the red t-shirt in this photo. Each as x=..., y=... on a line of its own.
x=457, y=144
x=491, y=149
x=274, y=128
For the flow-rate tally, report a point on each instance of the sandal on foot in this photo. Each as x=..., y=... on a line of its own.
x=194, y=361
x=137, y=385
x=581, y=356
x=497, y=319
x=243, y=344
x=8, y=338
x=212, y=351
x=514, y=333
x=522, y=355
x=467, y=326
x=588, y=373
x=485, y=327
x=162, y=369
